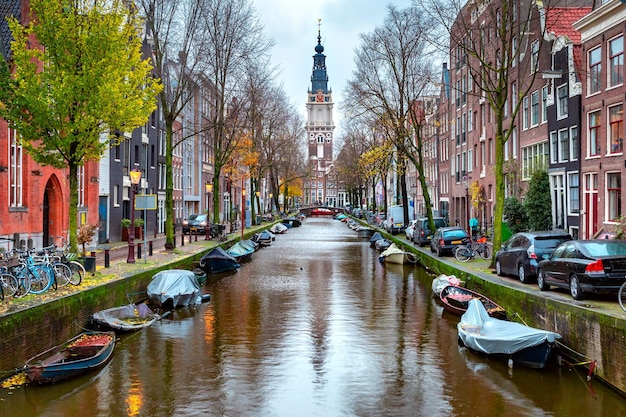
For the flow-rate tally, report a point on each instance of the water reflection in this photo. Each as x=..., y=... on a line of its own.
x=314, y=325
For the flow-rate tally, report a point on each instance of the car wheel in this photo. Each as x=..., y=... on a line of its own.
x=541, y=280
x=574, y=288
x=431, y=248
x=438, y=251
x=499, y=269
x=521, y=273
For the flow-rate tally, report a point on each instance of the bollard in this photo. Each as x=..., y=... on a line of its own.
x=182, y=240
x=195, y=232
x=150, y=248
x=139, y=250
x=189, y=235
x=107, y=259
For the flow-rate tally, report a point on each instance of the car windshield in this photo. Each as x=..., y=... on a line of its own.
x=201, y=217
x=439, y=223
x=609, y=248
x=549, y=243
x=193, y=217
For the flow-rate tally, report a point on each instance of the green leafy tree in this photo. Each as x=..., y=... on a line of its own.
x=538, y=203
x=515, y=215
x=86, y=81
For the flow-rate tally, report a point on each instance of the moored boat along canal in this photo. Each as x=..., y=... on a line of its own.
x=313, y=325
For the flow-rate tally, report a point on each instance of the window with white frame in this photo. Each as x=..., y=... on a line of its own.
x=534, y=57
x=513, y=52
x=573, y=183
x=616, y=129
x=514, y=142
x=513, y=96
x=15, y=170
x=525, y=113
x=534, y=105
x=554, y=147
x=561, y=101
x=506, y=150
x=593, y=144
x=563, y=145
x=616, y=61
x=544, y=103
x=470, y=120
x=595, y=70
x=613, y=195
x=574, y=143
x=81, y=186
x=116, y=195
x=534, y=157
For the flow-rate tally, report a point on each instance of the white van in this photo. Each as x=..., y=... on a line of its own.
x=396, y=222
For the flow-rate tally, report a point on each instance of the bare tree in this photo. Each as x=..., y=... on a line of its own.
x=178, y=38
x=234, y=41
x=500, y=46
x=394, y=69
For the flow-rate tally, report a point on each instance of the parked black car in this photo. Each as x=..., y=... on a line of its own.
x=197, y=221
x=520, y=254
x=422, y=233
x=446, y=239
x=585, y=266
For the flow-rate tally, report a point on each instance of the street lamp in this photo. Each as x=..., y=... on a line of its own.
x=135, y=177
x=466, y=180
x=270, y=206
x=243, y=208
x=208, y=187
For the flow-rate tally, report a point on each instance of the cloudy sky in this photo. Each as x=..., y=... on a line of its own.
x=293, y=25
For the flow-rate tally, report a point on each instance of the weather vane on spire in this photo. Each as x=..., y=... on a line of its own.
x=319, y=26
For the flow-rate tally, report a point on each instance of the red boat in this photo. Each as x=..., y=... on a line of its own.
x=456, y=299
x=321, y=211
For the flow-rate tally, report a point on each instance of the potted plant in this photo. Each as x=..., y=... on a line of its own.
x=86, y=232
x=125, y=223
x=139, y=228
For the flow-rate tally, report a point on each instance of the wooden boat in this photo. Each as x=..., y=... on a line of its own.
x=455, y=300
x=511, y=341
x=86, y=352
x=218, y=260
x=126, y=318
x=393, y=254
x=200, y=275
x=174, y=288
x=240, y=252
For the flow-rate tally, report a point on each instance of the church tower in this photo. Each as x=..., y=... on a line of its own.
x=319, y=127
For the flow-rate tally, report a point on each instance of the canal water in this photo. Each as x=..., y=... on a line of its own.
x=313, y=325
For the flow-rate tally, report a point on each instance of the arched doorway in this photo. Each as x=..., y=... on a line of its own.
x=53, y=213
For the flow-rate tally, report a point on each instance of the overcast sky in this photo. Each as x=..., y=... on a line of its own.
x=293, y=25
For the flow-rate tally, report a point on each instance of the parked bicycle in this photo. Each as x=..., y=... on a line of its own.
x=474, y=248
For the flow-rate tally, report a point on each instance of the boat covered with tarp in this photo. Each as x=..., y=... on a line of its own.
x=509, y=340
x=279, y=228
x=174, y=288
x=240, y=251
x=218, y=260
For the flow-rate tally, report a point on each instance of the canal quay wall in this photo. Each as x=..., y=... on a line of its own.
x=592, y=331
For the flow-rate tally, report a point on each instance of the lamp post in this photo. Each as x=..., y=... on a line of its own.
x=466, y=181
x=208, y=187
x=243, y=208
x=270, y=206
x=258, y=206
x=135, y=177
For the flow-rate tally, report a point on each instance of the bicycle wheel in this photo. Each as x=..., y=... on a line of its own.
x=484, y=251
x=23, y=282
x=40, y=279
x=62, y=274
x=78, y=272
x=9, y=284
x=621, y=296
x=462, y=254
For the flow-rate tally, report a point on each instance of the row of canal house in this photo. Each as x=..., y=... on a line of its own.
x=570, y=121
x=33, y=198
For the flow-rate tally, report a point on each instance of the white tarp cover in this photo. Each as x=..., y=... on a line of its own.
x=180, y=285
x=443, y=281
x=391, y=250
x=489, y=335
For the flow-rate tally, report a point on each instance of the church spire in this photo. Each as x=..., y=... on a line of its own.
x=319, y=79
